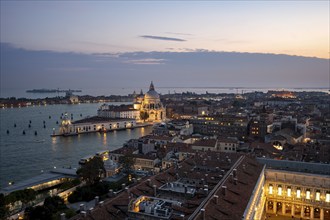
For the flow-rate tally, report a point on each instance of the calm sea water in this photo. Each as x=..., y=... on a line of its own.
x=20, y=93
x=25, y=156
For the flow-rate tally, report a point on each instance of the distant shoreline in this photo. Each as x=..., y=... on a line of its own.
x=51, y=90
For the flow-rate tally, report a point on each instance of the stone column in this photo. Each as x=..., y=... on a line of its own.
x=274, y=207
x=311, y=213
x=302, y=211
x=283, y=208
x=292, y=209
x=321, y=214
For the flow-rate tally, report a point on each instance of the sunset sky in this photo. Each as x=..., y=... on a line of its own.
x=121, y=44
x=281, y=27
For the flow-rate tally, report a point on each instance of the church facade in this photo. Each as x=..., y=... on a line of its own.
x=150, y=107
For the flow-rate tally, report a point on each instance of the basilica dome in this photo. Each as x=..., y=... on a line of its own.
x=151, y=94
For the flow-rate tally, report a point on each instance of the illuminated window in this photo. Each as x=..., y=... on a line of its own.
x=270, y=189
x=289, y=192
x=308, y=194
x=298, y=193
x=327, y=197
x=279, y=191
x=317, y=196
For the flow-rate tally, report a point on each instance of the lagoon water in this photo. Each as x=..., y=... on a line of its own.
x=19, y=93
x=25, y=156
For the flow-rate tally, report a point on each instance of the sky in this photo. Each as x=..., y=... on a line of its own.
x=113, y=28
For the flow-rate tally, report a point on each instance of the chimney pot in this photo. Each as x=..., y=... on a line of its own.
x=96, y=200
x=224, y=190
x=203, y=213
x=82, y=207
x=63, y=216
x=216, y=199
x=155, y=190
x=235, y=172
x=110, y=193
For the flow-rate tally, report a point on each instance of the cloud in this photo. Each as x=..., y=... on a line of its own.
x=175, y=33
x=162, y=38
x=69, y=69
x=146, y=61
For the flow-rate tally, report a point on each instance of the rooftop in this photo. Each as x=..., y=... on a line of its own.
x=206, y=177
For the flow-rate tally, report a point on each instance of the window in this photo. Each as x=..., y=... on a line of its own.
x=308, y=194
x=279, y=190
x=317, y=197
x=327, y=197
x=298, y=193
x=289, y=192
x=270, y=189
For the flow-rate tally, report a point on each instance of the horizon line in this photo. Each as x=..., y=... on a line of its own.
x=12, y=45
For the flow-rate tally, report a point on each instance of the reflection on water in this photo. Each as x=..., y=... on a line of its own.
x=23, y=156
x=104, y=139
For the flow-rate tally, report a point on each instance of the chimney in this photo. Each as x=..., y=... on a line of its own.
x=82, y=207
x=217, y=169
x=96, y=200
x=63, y=216
x=123, y=186
x=235, y=172
x=110, y=193
x=244, y=167
x=155, y=190
x=134, y=180
x=203, y=213
x=235, y=181
x=216, y=199
x=83, y=213
x=101, y=203
x=231, y=177
x=206, y=190
x=90, y=210
x=149, y=182
x=224, y=190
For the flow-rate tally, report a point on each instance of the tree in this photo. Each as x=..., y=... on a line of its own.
x=54, y=204
x=92, y=171
x=144, y=115
x=38, y=213
x=3, y=207
x=127, y=161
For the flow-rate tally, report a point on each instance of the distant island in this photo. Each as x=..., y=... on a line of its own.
x=50, y=90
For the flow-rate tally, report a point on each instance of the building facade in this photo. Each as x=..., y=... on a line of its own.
x=299, y=195
x=150, y=107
